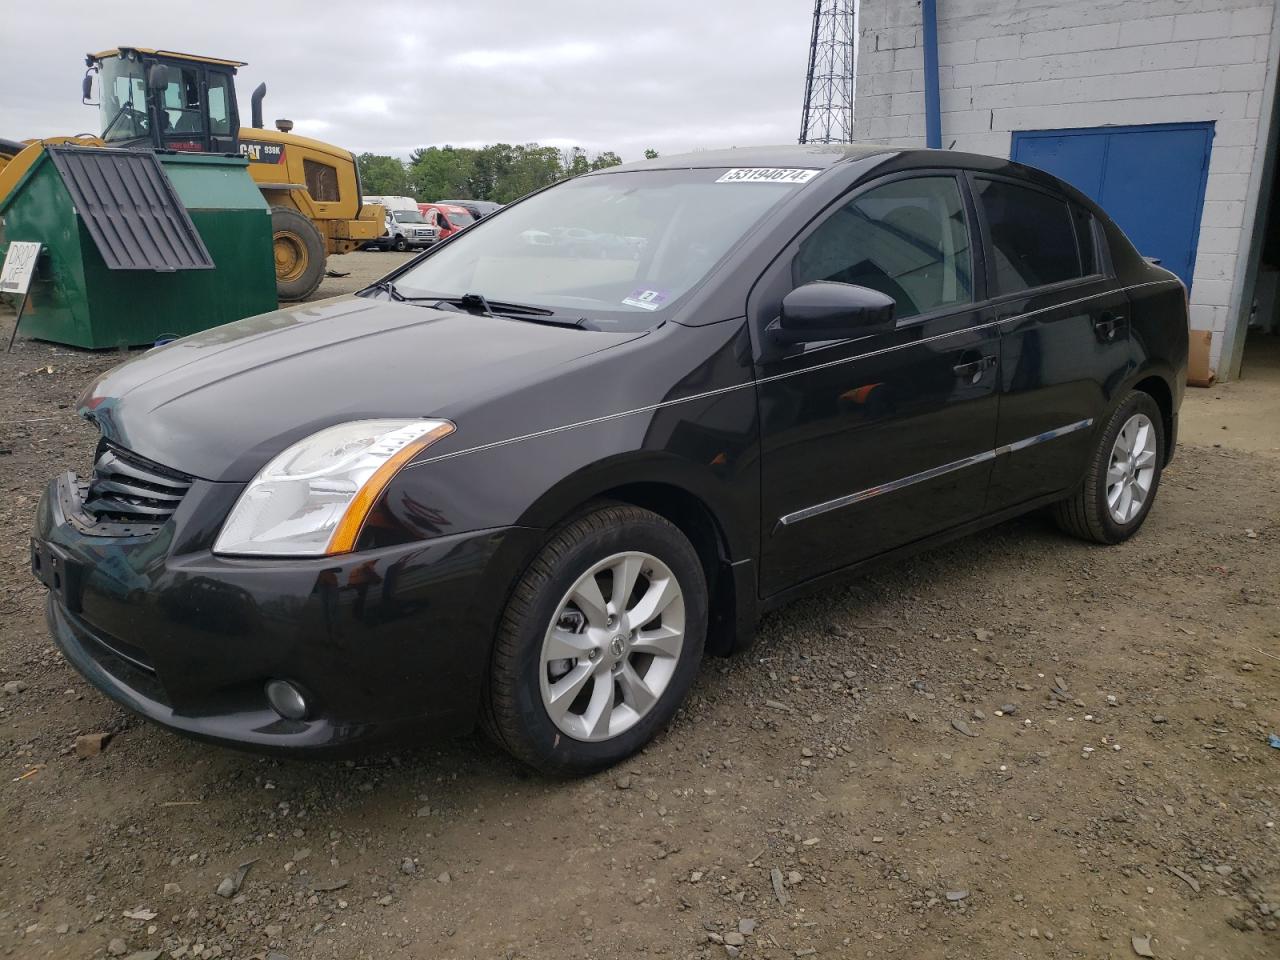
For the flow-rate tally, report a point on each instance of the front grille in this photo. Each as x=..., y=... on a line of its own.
x=127, y=488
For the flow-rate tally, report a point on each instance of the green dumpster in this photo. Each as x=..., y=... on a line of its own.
x=139, y=246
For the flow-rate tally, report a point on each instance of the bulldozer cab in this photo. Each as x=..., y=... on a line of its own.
x=168, y=101
x=172, y=101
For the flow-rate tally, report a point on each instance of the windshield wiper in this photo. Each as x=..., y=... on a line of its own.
x=477, y=302
x=389, y=288
x=470, y=300
x=473, y=301
x=127, y=105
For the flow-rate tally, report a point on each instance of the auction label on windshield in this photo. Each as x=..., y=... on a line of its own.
x=767, y=175
x=647, y=299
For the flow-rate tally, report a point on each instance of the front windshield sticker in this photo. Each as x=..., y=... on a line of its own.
x=647, y=299
x=767, y=175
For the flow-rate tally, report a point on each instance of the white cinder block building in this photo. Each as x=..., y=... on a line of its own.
x=1162, y=110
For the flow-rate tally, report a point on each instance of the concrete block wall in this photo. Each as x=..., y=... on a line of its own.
x=1008, y=65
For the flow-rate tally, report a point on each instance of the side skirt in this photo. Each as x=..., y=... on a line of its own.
x=845, y=574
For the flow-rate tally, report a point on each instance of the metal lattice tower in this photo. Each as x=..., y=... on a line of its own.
x=828, y=88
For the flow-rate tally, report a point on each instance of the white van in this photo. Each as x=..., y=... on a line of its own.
x=406, y=226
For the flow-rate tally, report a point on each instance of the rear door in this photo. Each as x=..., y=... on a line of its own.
x=1064, y=330
x=871, y=443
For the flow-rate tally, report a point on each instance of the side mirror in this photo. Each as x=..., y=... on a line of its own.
x=86, y=87
x=157, y=76
x=823, y=310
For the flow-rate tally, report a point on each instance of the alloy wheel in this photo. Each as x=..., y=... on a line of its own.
x=612, y=647
x=1132, y=468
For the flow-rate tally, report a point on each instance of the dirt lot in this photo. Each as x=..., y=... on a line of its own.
x=889, y=773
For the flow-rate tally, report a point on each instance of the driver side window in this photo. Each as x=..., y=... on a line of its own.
x=907, y=239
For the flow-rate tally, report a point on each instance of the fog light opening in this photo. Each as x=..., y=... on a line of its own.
x=286, y=700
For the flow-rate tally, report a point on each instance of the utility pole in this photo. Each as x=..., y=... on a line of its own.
x=828, y=87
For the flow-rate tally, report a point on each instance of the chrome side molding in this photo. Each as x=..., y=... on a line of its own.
x=931, y=474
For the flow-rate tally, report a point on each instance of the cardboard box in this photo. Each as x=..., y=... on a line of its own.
x=1199, y=373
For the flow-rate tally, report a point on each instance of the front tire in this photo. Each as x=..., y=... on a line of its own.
x=299, y=254
x=1123, y=476
x=401, y=244
x=599, y=643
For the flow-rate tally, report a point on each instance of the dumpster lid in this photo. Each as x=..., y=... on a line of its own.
x=130, y=209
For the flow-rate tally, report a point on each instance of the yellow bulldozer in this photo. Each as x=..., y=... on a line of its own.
x=159, y=99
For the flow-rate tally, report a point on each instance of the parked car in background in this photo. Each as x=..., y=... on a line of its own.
x=477, y=208
x=446, y=217
x=393, y=236
x=406, y=228
x=518, y=483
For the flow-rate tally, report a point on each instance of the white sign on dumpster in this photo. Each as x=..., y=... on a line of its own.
x=19, y=265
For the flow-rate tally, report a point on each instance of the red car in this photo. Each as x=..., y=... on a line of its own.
x=447, y=217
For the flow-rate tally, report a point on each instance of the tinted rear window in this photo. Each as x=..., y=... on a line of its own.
x=1033, y=238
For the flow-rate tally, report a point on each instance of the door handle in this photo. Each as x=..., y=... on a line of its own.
x=973, y=370
x=1108, y=326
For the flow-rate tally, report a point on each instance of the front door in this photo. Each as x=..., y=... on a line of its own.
x=183, y=115
x=872, y=443
x=224, y=121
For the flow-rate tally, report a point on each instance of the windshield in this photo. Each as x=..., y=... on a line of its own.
x=123, y=100
x=459, y=218
x=409, y=216
x=614, y=248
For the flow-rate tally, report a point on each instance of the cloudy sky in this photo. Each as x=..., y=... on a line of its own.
x=390, y=75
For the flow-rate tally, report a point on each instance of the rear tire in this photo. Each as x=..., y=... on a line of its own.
x=1123, y=476
x=299, y=254
x=579, y=679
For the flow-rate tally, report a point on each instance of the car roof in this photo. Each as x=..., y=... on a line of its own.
x=825, y=155
x=889, y=159
x=818, y=155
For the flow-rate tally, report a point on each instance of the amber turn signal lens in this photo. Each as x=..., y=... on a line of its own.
x=352, y=522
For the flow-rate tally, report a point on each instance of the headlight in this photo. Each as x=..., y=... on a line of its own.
x=312, y=499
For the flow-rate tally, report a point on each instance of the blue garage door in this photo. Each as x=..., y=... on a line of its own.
x=1149, y=178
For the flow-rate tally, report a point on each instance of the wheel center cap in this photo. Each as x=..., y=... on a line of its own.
x=618, y=645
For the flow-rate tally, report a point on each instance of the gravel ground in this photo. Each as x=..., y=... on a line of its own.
x=361, y=269
x=1016, y=746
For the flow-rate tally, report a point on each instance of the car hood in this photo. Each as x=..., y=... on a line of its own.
x=219, y=404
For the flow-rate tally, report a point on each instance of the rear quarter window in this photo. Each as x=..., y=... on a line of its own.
x=1032, y=238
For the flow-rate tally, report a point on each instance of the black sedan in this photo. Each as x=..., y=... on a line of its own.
x=532, y=486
